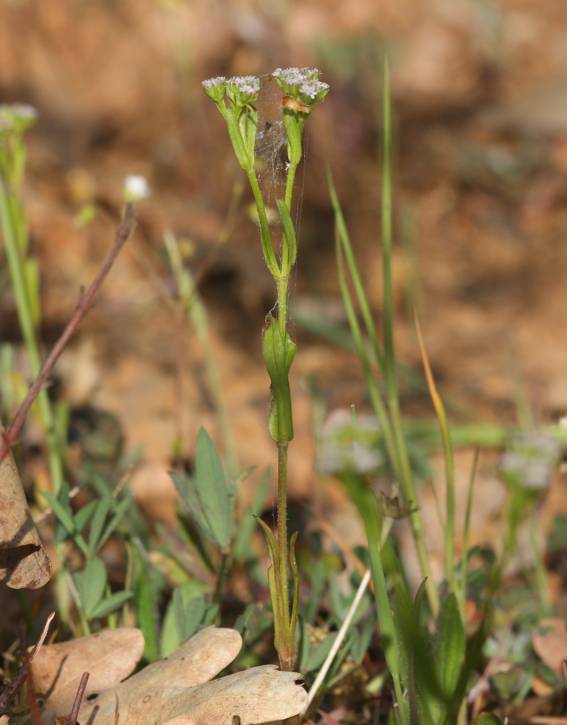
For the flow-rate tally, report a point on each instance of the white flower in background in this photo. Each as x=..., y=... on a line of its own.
x=17, y=116
x=136, y=188
x=348, y=443
x=531, y=459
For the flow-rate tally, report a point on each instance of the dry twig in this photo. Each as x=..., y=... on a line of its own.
x=123, y=234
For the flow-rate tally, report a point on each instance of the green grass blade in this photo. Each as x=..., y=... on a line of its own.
x=467, y=524
x=346, y=246
x=449, y=533
x=388, y=306
x=97, y=524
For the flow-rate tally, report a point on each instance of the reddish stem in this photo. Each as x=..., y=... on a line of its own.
x=123, y=234
x=72, y=719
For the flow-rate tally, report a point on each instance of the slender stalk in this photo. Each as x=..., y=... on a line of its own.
x=13, y=226
x=221, y=577
x=541, y=575
x=289, y=184
x=266, y=237
x=235, y=98
x=360, y=592
x=123, y=233
x=466, y=528
x=404, y=470
x=283, y=553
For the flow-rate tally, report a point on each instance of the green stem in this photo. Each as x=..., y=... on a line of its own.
x=221, y=577
x=289, y=184
x=389, y=357
x=12, y=225
x=541, y=575
x=408, y=489
x=267, y=244
x=286, y=653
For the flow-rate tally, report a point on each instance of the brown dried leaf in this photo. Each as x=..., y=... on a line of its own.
x=23, y=561
x=149, y=691
x=177, y=690
x=108, y=656
x=258, y=695
x=550, y=643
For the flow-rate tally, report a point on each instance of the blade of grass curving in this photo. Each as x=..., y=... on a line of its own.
x=449, y=532
x=405, y=475
x=345, y=242
x=467, y=524
x=373, y=390
x=388, y=307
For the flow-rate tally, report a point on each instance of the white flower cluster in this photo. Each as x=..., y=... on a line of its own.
x=531, y=459
x=214, y=82
x=295, y=76
x=246, y=84
x=349, y=445
x=313, y=88
x=15, y=116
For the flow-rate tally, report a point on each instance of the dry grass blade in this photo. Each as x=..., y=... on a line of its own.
x=449, y=469
x=11, y=689
x=123, y=233
x=72, y=719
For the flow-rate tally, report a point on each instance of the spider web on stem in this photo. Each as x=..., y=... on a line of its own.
x=271, y=155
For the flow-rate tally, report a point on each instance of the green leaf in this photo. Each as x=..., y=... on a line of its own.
x=316, y=655
x=188, y=614
x=242, y=548
x=146, y=604
x=487, y=718
x=242, y=622
x=450, y=647
x=215, y=492
x=279, y=351
x=91, y=583
x=97, y=524
x=361, y=640
x=31, y=275
x=208, y=495
x=84, y=514
x=289, y=249
x=119, y=510
x=174, y=628
x=111, y=604
x=62, y=512
x=211, y=615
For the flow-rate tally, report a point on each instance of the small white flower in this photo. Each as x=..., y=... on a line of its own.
x=213, y=82
x=313, y=89
x=295, y=76
x=136, y=188
x=17, y=116
x=246, y=84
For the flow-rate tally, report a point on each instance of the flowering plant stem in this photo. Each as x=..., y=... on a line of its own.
x=23, y=280
x=234, y=99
